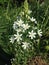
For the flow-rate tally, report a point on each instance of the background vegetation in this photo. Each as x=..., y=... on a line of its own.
x=9, y=10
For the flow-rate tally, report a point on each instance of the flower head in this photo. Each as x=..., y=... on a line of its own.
x=25, y=26
x=40, y=32
x=12, y=39
x=32, y=34
x=29, y=11
x=20, y=22
x=17, y=37
x=15, y=25
x=25, y=45
x=32, y=19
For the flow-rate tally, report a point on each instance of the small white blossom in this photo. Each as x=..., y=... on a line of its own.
x=29, y=11
x=12, y=40
x=25, y=45
x=32, y=19
x=18, y=37
x=15, y=25
x=20, y=22
x=40, y=32
x=32, y=34
x=35, y=22
x=25, y=26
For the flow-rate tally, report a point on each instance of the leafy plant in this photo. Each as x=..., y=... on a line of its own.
x=40, y=11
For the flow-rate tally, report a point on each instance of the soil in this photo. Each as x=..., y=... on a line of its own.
x=37, y=61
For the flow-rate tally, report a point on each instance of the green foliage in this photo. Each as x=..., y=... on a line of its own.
x=8, y=15
x=4, y=1
x=26, y=6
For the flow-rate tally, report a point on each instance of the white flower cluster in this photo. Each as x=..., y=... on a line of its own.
x=25, y=31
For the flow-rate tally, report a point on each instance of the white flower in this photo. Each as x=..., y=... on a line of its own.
x=29, y=11
x=15, y=25
x=39, y=32
x=32, y=19
x=32, y=34
x=12, y=39
x=35, y=22
x=25, y=45
x=20, y=22
x=18, y=37
x=25, y=26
